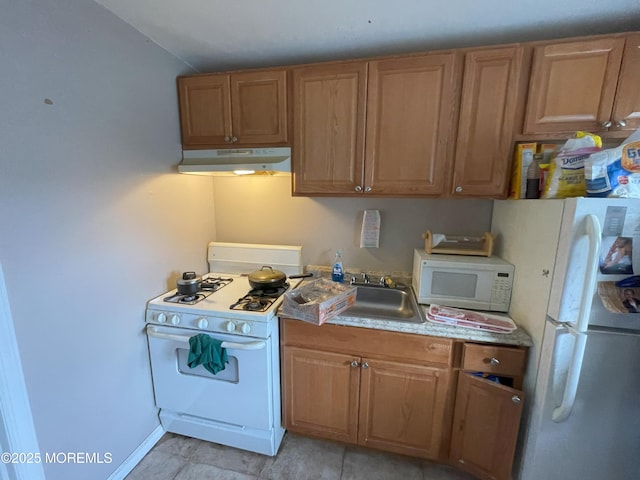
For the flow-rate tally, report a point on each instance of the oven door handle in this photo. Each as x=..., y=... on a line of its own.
x=257, y=345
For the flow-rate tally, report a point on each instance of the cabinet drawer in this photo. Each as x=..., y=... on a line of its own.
x=494, y=359
x=367, y=342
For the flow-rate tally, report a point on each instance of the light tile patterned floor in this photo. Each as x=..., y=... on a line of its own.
x=300, y=458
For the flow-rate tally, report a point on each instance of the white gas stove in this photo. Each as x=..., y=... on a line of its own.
x=246, y=410
x=221, y=311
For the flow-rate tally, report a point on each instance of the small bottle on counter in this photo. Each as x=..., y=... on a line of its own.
x=337, y=273
x=533, y=177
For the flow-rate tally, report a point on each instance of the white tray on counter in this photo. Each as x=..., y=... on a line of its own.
x=459, y=317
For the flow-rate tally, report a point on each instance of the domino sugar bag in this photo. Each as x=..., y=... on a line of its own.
x=565, y=176
x=615, y=172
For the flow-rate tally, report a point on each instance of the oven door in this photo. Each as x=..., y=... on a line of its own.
x=241, y=394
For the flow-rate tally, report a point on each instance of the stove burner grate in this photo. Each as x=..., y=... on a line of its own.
x=214, y=283
x=187, y=299
x=259, y=300
x=208, y=286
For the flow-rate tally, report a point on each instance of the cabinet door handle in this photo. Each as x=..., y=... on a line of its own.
x=365, y=365
x=515, y=399
x=607, y=124
x=234, y=139
x=621, y=123
x=494, y=361
x=367, y=189
x=358, y=188
x=458, y=189
x=355, y=364
x=227, y=139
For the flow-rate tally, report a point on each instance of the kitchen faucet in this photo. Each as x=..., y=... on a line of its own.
x=365, y=281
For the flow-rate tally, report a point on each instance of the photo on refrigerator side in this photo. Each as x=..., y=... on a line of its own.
x=616, y=256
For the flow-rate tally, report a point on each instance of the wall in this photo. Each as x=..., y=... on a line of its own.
x=261, y=210
x=93, y=220
x=522, y=241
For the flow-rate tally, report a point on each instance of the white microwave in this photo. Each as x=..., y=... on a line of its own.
x=463, y=281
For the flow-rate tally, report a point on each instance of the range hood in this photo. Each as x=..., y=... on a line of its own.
x=276, y=161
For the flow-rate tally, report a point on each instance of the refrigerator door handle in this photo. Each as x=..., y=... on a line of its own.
x=561, y=413
x=594, y=235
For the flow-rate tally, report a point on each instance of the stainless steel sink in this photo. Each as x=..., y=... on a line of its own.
x=394, y=304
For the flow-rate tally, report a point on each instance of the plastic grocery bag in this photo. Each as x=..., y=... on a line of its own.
x=615, y=172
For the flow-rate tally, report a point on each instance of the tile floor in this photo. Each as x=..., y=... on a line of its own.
x=300, y=458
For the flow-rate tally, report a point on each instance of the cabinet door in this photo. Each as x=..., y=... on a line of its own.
x=627, y=106
x=259, y=107
x=491, y=94
x=402, y=407
x=321, y=393
x=573, y=85
x=485, y=427
x=328, y=128
x=205, y=110
x=410, y=124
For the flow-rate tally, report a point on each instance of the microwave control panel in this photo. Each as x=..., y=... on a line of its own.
x=501, y=289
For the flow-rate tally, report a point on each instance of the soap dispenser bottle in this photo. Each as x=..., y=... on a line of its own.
x=337, y=274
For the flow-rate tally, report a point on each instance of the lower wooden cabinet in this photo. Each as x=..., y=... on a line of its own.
x=487, y=414
x=394, y=405
x=485, y=427
x=402, y=407
x=321, y=393
x=397, y=392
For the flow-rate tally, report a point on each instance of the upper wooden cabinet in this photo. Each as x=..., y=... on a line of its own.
x=328, y=127
x=431, y=124
x=493, y=92
x=627, y=104
x=588, y=84
x=399, y=147
x=411, y=113
x=237, y=109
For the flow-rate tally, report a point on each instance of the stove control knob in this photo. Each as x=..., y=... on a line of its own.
x=245, y=327
x=230, y=326
x=174, y=319
x=161, y=317
x=202, y=322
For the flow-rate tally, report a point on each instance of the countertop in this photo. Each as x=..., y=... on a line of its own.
x=519, y=337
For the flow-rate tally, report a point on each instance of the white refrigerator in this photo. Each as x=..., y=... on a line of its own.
x=576, y=291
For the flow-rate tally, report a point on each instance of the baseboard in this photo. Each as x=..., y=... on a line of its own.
x=138, y=454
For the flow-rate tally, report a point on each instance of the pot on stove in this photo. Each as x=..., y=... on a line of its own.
x=267, y=278
x=189, y=284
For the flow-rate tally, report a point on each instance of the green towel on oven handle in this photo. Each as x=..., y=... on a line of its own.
x=208, y=352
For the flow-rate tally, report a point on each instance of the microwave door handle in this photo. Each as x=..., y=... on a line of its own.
x=255, y=345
